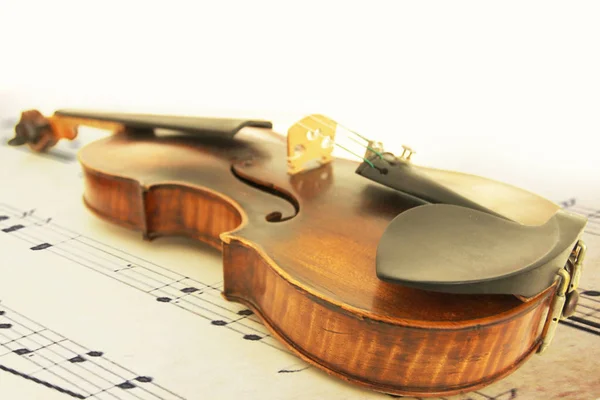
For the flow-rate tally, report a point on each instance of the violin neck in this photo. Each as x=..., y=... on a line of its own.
x=41, y=133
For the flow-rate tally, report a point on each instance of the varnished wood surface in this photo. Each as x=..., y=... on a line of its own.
x=402, y=359
x=311, y=278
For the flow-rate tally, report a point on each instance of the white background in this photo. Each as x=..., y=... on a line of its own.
x=509, y=90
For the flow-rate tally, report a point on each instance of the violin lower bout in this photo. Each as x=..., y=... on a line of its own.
x=394, y=358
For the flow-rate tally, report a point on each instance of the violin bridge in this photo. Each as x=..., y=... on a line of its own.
x=310, y=141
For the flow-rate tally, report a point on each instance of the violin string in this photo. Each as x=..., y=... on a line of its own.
x=345, y=128
x=351, y=152
x=341, y=126
x=341, y=147
x=347, y=136
x=368, y=147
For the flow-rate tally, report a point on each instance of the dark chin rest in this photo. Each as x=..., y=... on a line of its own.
x=454, y=249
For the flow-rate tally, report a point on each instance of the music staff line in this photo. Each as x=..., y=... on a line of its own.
x=160, y=291
x=41, y=382
x=478, y=395
x=163, y=284
x=57, y=364
x=66, y=362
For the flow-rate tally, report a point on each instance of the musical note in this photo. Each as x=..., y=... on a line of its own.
x=163, y=299
x=126, y=385
x=13, y=228
x=128, y=266
x=77, y=359
x=189, y=290
x=41, y=246
x=567, y=203
x=27, y=213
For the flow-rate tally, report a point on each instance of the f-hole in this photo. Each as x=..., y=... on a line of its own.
x=274, y=216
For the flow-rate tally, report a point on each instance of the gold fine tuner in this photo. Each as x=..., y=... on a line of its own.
x=407, y=153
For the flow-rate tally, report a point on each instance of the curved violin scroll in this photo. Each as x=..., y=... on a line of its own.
x=41, y=133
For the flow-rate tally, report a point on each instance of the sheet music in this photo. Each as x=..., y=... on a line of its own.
x=88, y=310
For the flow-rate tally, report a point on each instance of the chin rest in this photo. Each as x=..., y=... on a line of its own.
x=454, y=249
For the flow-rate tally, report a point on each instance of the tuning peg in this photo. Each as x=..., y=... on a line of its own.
x=406, y=153
x=33, y=129
x=18, y=140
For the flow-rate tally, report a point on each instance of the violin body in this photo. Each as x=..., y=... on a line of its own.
x=299, y=250
x=311, y=278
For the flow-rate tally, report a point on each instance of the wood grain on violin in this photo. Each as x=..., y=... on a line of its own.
x=300, y=251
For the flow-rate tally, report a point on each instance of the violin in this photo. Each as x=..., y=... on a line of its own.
x=395, y=277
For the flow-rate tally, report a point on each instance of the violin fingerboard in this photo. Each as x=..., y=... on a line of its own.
x=222, y=127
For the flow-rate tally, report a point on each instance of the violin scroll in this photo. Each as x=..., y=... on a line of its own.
x=34, y=130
